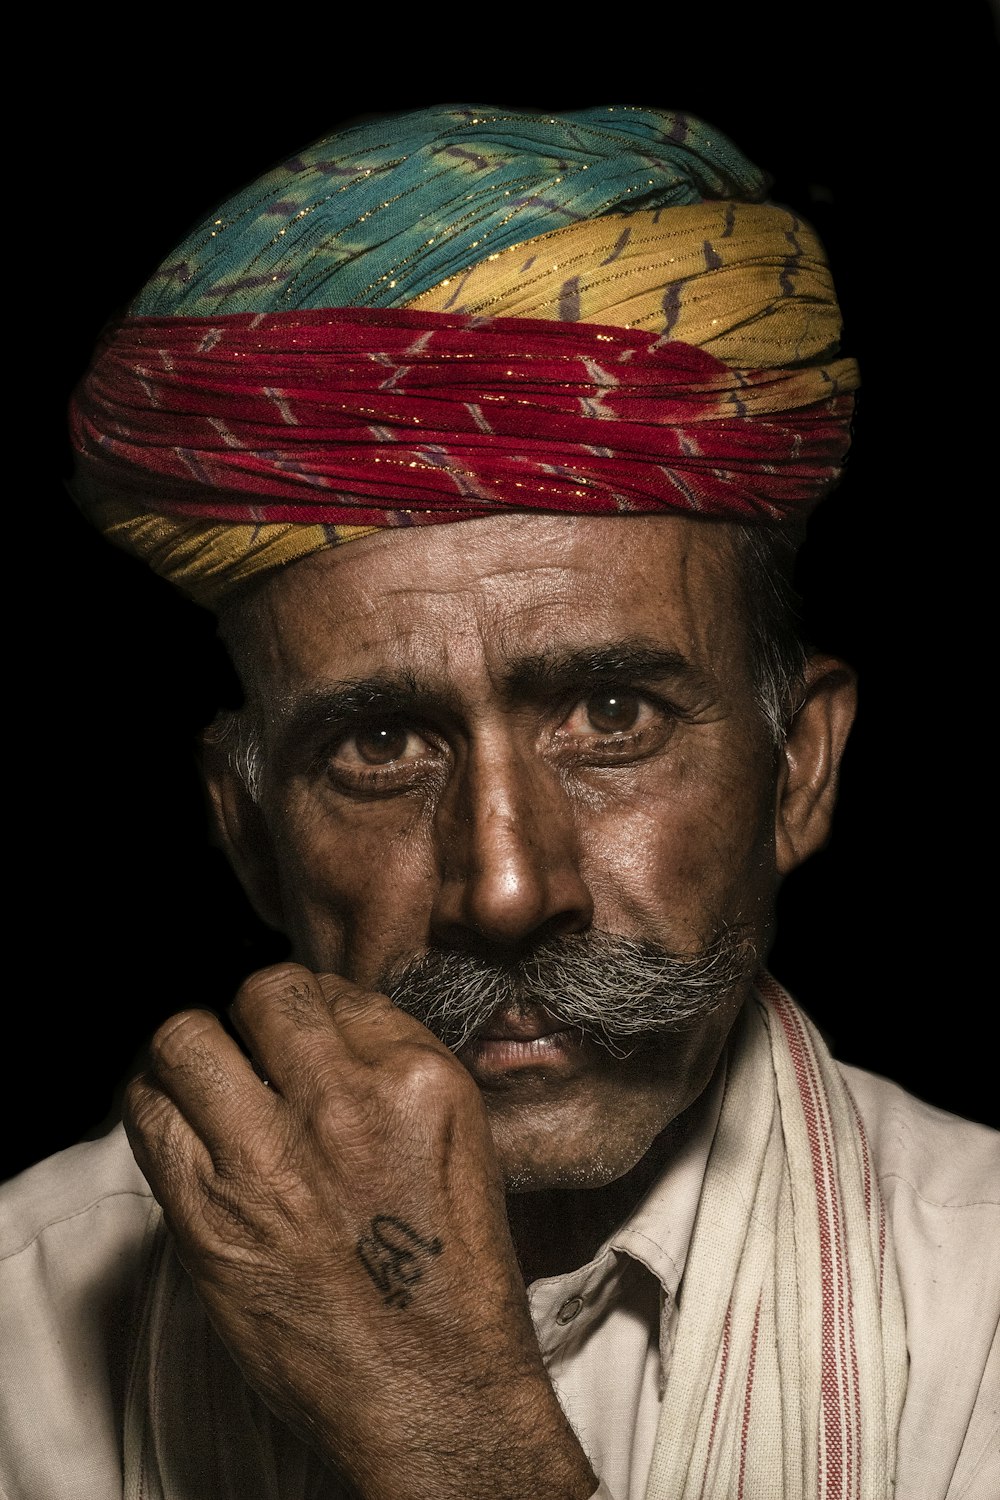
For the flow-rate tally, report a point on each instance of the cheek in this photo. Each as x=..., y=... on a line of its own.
x=355, y=888
x=685, y=851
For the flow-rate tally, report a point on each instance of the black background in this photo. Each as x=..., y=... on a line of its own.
x=122, y=911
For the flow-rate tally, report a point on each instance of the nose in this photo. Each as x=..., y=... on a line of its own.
x=509, y=860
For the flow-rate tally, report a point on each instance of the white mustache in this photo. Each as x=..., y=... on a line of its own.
x=616, y=990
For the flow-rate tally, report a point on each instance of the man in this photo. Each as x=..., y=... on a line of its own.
x=527, y=746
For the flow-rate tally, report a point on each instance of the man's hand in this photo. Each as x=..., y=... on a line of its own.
x=344, y=1224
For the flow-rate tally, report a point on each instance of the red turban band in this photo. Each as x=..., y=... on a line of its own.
x=389, y=417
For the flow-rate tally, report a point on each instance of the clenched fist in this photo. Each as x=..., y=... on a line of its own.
x=339, y=1207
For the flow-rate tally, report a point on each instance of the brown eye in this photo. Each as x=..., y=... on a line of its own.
x=384, y=757
x=613, y=713
x=379, y=747
x=614, y=727
x=382, y=743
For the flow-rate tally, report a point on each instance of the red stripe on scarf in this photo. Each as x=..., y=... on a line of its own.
x=388, y=417
x=720, y=1387
x=748, y=1396
x=839, y=1411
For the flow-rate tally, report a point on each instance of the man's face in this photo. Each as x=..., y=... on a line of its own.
x=481, y=736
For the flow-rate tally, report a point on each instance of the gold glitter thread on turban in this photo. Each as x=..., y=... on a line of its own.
x=746, y=282
x=209, y=559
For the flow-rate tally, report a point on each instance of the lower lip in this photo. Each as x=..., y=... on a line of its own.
x=491, y=1057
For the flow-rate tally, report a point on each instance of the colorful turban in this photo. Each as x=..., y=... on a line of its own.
x=448, y=313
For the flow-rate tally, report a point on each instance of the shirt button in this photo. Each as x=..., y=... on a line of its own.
x=569, y=1310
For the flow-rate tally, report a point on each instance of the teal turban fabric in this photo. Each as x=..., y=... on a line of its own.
x=382, y=211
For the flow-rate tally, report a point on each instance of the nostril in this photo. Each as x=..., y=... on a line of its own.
x=506, y=910
x=484, y=944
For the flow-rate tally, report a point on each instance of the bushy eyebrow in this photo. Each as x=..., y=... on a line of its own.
x=533, y=678
x=305, y=715
x=549, y=674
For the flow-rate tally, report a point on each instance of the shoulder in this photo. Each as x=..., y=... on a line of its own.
x=73, y=1238
x=949, y=1162
x=940, y=1181
x=72, y=1234
x=64, y=1193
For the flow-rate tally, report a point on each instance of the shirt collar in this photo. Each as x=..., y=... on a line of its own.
x=658, y=1231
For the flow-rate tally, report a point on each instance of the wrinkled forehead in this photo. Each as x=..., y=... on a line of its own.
x=466, y=602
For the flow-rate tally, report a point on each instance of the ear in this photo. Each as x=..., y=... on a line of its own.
x=807, y=782
x=242, y=833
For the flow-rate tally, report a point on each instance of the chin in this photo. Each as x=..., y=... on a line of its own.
x=537, y=1177
x=588, y=1119
x=557, y=1148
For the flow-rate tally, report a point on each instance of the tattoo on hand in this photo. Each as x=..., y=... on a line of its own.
x=395, y=1257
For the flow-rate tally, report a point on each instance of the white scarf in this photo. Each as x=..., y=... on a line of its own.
x=789, y=1366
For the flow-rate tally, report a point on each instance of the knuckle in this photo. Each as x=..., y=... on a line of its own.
x=346, y=1000
x=432, y=1078
x=161, y=1145
x=276, y=979
x=289, y=988
x=142, y=1107
x=181, y=1037
x=337, y=1110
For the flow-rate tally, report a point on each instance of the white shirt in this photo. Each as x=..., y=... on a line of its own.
x=72, y=1234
